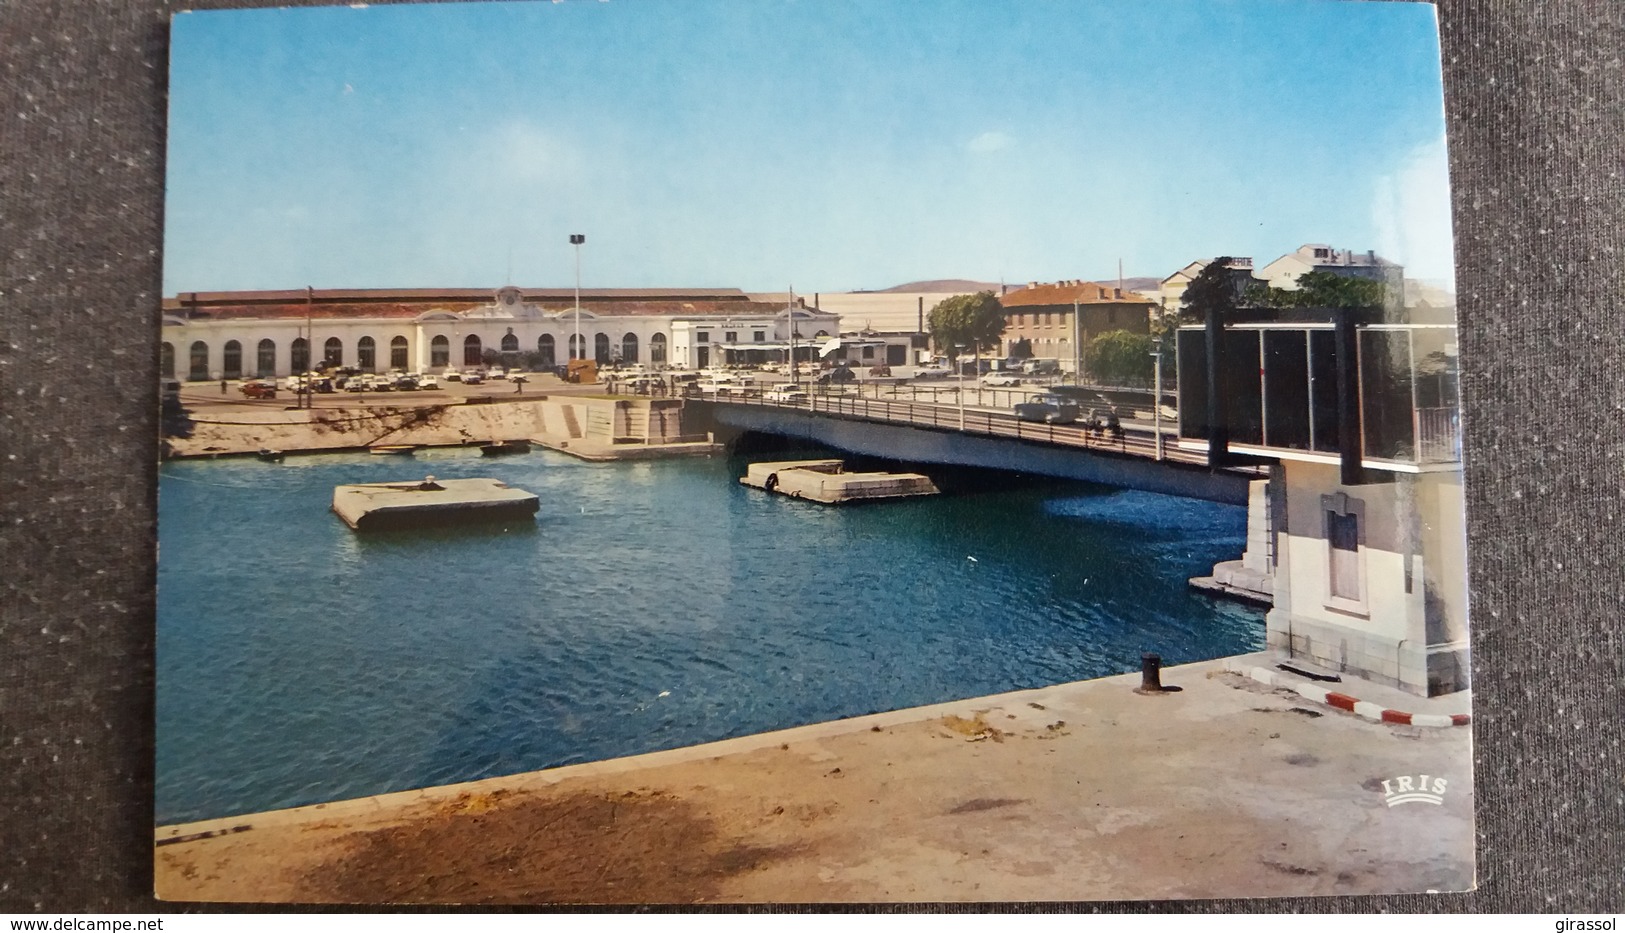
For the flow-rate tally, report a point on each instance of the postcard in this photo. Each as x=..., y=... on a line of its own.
x=776, y=452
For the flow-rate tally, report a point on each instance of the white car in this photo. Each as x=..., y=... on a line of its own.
x=932, y=372
x=787, y=393
x=428, y=382
x=452, y=375
x=1001, y=380
x=497, y=374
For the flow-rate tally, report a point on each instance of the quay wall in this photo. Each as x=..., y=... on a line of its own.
x=544, y=419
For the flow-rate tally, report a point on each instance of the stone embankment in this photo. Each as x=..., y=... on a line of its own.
x=592, y=427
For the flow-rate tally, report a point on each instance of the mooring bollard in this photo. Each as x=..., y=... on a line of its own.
x=1150, y=673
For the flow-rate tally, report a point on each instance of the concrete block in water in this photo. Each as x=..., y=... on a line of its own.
x=828, y=482
x=373, y=506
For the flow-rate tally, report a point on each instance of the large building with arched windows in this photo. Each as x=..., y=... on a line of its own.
x=235, y=335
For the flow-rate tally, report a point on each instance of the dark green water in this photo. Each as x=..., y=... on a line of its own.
x=652, y=605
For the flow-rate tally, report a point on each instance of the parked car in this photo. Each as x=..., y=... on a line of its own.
x=473, y=378
x=1001, y=380
x=496, y=374
x=452, y=375
x=1041, y=367
x=837, y=376
x=428, y=382
x=932, y=372
x=1047, y=409
x=259, y=388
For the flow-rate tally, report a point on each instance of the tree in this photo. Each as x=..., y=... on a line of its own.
x=1321, y=290
x=1118, y=357
x=970, y=321
x=1022, y=349
x=1213, y=291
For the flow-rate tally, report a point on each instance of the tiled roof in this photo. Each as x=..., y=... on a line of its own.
x=1067, y=293
x=328, y=310
x=442, y=295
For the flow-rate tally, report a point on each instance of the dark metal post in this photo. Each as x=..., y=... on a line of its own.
x=1150, y=673
x=1218, y=429
x=1348, y=397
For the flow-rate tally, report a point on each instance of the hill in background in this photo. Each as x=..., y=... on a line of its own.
x=935, y=287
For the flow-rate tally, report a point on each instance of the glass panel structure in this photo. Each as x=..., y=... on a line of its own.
x=1286, y=389
x=1387, y=395
x=1323, y=390
x=1192, y=368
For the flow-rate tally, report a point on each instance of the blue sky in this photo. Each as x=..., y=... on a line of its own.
x=829, y=144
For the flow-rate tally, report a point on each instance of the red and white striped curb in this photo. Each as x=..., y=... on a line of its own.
x=1342, y=701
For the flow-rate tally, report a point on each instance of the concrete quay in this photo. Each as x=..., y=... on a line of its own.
x=593, y=427
x=1081, y=791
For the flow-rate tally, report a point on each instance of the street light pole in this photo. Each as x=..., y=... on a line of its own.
x=960, y=365
x=576, y=239
x=306, y=399
x=1156, y=393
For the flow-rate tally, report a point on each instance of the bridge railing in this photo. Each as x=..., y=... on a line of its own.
x=978, y=421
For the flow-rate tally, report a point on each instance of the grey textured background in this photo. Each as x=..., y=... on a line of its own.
x=1536, y=105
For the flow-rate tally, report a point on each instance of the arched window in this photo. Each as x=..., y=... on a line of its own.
x=544, y=346
x=300, y=353
x=266, y=365
x=366, y=355
x=821, y=334
x=471, y=350
x=657, y=348
x=600, y=348
x=199, y=361
x=629, y=348
x=333, y=352
x=440, y=351
x=397, y=353
x=166, y=360
x=510, y=343
x=233, y=360
x=577, y=344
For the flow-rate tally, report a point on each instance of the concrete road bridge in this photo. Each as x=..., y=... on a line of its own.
x=932, y=432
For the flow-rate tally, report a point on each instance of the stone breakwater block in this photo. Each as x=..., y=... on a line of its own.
x=828, y=482
x=380, y=506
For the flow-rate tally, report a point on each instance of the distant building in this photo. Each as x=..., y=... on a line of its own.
x=1317, y=257
x=1058, y=319
x=1171, y=290
x=214, y=335
x=1365, y=521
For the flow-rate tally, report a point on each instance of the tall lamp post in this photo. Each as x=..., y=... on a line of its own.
x=576, y=239
x=1156, y=392
x=959, y=364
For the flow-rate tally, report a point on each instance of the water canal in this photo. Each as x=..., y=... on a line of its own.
x=653, y=605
